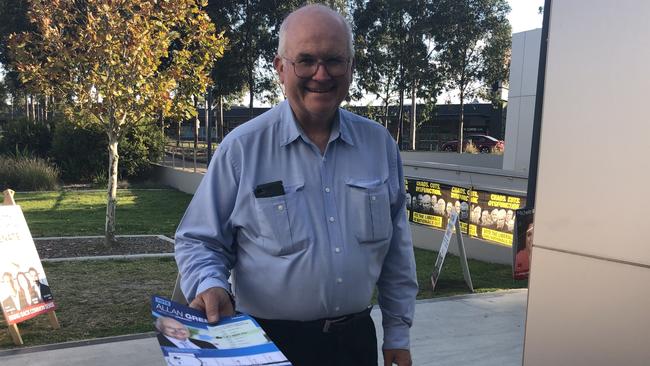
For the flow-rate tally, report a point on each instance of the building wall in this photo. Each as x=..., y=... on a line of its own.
x=521, y=99
x=589, y=289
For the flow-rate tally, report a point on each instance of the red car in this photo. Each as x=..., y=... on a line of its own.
x=483, y=143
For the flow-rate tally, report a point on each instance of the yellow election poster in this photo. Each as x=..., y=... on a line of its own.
x=424, y=203
x=24, y=290
x=483, y=215
x=492, y=216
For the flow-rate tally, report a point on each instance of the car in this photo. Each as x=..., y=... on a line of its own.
x=483, y=143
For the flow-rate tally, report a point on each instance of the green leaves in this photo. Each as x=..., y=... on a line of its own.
x=108, y=55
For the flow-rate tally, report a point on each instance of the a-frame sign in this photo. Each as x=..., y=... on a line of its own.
x=453, y=223
x=24, y=290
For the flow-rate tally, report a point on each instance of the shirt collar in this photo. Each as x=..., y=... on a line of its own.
x=290, y=129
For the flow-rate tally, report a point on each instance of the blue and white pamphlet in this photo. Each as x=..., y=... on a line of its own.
x=187, y=339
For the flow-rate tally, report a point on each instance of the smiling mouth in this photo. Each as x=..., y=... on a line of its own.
x=320, y=90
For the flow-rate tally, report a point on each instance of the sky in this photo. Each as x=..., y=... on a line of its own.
x=524, y=15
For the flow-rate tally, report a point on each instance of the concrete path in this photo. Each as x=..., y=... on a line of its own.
x=471, y=330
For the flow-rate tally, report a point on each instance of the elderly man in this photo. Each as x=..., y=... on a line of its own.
x=304, y=207
x=175, y=334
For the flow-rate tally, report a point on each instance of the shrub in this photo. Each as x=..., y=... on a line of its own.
x=140, y=147
x=471, y=148
x=25, y=173
x=495, y=151
x=79, y=152
x=25, y=135
x=82, y=153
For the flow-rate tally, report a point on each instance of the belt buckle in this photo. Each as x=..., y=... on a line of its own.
x=328, y=323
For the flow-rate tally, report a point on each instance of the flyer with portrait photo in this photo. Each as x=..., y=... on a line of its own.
x=523, y=246
x=187, y=339
x=24, y=290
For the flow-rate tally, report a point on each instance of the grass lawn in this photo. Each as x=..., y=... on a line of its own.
x=486, y=277
x=76, y=213
x=107, y=298
x=98, y=299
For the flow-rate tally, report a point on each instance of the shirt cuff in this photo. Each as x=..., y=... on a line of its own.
x=212, y=282
x=397, y=337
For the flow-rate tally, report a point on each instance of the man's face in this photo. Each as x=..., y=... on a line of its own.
x=174, y=329
x=314, y=35
x=486, y=219
x=529, y=238
x=426, y=202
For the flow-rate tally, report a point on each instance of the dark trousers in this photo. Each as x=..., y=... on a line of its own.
x=305, y=343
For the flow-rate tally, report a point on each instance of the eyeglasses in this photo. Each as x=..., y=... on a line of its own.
x=305, y=68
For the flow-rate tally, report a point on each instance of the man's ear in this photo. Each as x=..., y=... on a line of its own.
x=279, y=67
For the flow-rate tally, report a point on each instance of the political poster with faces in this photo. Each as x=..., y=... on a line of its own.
x=483, y=215
x=427, y=203
x=24, y=290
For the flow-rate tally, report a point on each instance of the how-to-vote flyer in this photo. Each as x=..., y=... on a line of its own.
x=187, y=339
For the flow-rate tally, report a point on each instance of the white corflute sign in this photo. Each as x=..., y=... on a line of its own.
x=24, y=290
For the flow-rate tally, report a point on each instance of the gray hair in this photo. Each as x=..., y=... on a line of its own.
x=160, y=323
x=285, y=25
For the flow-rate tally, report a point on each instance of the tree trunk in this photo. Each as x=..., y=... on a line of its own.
x=46, y=112
x=251, y=87
x=222, y=126
x=461, y=121
x=386, y=116
x=413, y=114
x=178, y=133
x=32, y=105
x=111, y=203
x=400, y=116
x=53, y=107
x=27, y=107
x=197, y=124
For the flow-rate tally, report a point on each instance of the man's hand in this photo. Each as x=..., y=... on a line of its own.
x=401, y=357
x=215, y=302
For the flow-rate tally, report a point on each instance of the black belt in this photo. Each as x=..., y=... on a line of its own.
x=327, y=325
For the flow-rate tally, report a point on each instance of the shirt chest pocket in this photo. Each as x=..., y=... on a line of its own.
x=283, y=221
x=369, y=209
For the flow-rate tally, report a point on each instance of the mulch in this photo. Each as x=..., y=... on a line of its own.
x=88, y=247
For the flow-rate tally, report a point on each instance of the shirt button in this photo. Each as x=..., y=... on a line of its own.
x=327, y=189
x=374, y=198
x=331, y=218
x=337, y=249
x=280, y=207
x=337, y=308
x=339, y=280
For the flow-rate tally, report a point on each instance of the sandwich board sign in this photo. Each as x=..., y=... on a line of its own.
x=24, y=290
x=452, y=224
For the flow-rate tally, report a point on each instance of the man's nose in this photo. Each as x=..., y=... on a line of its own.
x=321, y=72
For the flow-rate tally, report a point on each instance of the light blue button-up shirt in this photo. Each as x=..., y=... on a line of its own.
x=318, y=250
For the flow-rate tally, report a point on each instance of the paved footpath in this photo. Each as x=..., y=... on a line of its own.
x=470, y=330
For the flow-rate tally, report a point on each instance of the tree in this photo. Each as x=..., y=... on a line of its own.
x=13, y=19
x=474, y=41
x=118, y=62
x=393, y=41
x=246, y=25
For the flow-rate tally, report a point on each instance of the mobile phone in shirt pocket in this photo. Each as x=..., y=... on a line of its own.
x=283, y=221
x=369, y=209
